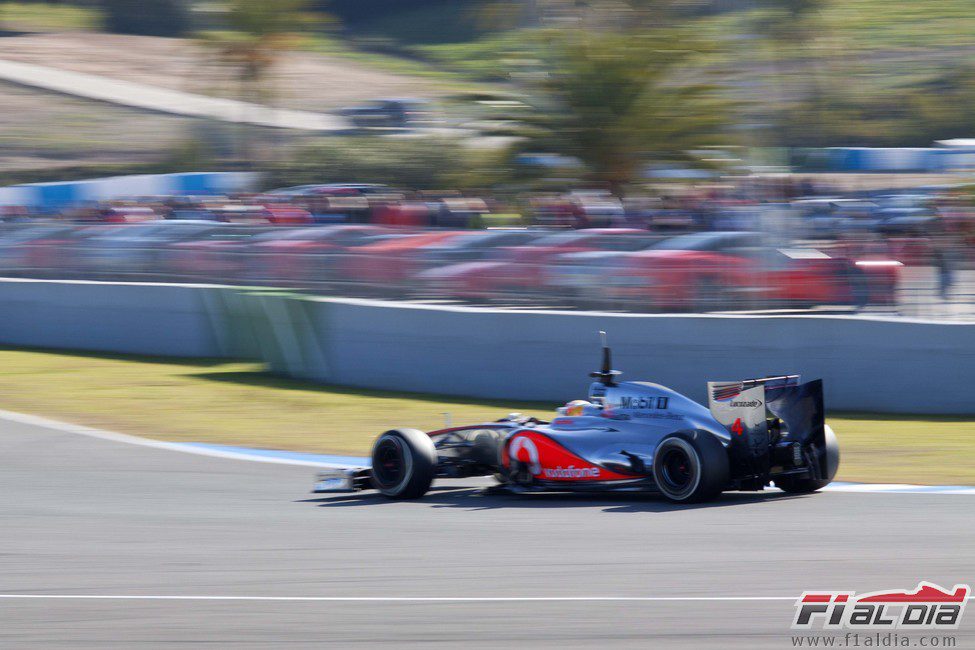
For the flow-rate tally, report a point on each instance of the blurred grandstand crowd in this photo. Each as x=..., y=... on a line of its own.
x=751, y=245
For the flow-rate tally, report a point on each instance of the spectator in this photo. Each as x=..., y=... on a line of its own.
x=943, y=258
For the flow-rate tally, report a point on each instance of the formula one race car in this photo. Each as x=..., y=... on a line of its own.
x=627, y=436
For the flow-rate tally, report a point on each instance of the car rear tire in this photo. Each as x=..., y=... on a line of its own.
x=690, y=467
x=806, y=485
x=404, y=462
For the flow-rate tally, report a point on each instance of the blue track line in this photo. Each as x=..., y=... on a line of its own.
x=327, y=460
x=323, y=459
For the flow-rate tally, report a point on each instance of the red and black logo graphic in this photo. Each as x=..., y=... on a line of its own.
x=546, y=459
x=926, y=607
x=725, y=392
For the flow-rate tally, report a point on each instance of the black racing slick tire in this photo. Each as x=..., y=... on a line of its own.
x=404, y=462
x=690, y=467
x=806, y=485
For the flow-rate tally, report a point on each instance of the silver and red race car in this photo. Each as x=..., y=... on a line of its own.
x=627, y=436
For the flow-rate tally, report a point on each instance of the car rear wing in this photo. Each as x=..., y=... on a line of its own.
x=749, y=407
x=723, y=388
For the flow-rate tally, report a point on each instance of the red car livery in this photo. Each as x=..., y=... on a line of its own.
x=546, y=459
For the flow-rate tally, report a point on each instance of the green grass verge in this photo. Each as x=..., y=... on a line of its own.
x=239, y=404
x=220, y=402
x=38, y=17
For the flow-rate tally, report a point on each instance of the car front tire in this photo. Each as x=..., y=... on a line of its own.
x=404, y=462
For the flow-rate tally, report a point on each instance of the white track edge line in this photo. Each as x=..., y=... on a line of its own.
x=419, y=599
x=434, y=599
x=67, y=427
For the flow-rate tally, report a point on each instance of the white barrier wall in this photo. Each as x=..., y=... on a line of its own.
x=882, y=365
x=155, y=319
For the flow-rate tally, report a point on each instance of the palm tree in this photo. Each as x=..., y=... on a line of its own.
x=257, y=35
x=611, y=100
x=791, y=26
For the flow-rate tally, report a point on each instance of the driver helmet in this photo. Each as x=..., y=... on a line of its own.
x=576, y=407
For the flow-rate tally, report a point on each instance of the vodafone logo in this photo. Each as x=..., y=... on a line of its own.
x=572, y=472
x=534, y=455
x=526, y=444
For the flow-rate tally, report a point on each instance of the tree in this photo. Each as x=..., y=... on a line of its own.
x=421, y=163
x=792, y=21
x=257, y=34
x=611, y=100
x=791, y=27
x=146, y=17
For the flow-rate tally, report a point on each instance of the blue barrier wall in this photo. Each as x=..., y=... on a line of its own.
x=51, y=197
x=904, y=159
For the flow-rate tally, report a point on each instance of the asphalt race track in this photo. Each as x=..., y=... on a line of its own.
x=81, y=517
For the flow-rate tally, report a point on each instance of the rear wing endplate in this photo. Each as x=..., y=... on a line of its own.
x=745, y=408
